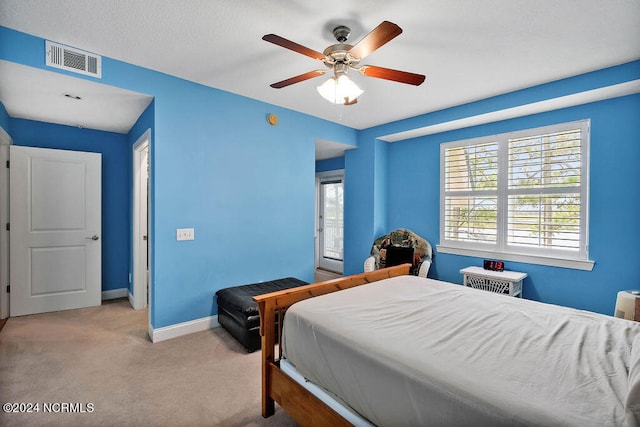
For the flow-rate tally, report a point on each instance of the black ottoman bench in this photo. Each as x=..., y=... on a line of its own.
x=238, y=312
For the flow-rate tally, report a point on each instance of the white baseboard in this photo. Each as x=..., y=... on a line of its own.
x=115, y=293
x=131, y=299
x=180, y=329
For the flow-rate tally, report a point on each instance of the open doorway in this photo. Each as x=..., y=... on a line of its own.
x=330, y=221
x=140, y=220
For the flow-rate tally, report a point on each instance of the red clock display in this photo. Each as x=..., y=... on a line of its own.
x=493, y=265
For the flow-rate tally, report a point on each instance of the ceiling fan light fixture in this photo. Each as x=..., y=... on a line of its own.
x=340, y=90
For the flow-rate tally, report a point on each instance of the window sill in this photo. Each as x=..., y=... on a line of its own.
x=586, y=265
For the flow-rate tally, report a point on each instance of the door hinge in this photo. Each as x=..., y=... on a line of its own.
x=8, y=289
x=8, y=227
x=7, y=164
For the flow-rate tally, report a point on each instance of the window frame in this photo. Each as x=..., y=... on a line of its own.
x=501, y=249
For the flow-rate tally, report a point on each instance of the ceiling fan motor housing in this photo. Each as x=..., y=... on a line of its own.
x=339, y=53
x=341, y=33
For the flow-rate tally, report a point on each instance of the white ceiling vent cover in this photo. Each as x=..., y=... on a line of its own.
x=73, y=60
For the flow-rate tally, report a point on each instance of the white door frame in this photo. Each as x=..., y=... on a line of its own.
x=323, y=176
x=5, y=142
x=140, y=220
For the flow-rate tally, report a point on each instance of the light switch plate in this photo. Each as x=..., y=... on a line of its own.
x=185, y=234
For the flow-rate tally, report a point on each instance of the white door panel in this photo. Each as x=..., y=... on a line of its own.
x=48, y=278
x=47, y=178
x=55, y=216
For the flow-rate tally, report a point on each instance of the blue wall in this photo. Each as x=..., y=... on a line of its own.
x=4, y=118
x=116, y=171
x=410, y=186
x=217, y=166
x=245, y=186
x=365, y=199
x=330, y=164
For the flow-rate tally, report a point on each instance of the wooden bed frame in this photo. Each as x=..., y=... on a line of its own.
x=277, y=386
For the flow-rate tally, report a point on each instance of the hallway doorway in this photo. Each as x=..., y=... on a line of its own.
x=140, y=221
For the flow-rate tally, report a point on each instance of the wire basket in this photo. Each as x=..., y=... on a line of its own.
x=486, y=284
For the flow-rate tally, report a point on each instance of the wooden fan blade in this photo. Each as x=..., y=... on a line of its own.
x=389, y=74
x=288, y=44
x=382, y=34
x=298, y=79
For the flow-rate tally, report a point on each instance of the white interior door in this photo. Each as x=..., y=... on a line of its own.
x=55, y=217
x=331, y=223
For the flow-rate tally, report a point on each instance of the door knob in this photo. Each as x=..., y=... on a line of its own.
x=94, y=237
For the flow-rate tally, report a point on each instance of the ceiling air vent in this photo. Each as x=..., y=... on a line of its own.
x=73, y=60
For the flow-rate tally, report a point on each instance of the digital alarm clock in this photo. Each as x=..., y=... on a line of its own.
x=493, y=265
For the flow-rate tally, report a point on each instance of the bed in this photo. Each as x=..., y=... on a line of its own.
x=395, y=349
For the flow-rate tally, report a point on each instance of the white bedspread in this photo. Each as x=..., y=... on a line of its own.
x=412, y=351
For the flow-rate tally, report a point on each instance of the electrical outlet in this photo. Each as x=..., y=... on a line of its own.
x=185, y=234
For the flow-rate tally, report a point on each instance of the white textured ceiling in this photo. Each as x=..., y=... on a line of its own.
x=468, y=49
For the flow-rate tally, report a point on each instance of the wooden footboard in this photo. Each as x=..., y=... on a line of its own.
x=278, y=386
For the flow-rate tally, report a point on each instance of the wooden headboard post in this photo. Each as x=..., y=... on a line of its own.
x=267, y=317
x=275, y=304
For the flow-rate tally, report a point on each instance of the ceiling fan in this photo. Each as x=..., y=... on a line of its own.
x=341, y=57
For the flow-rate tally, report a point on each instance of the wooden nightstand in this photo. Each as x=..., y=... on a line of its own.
x=502, y=282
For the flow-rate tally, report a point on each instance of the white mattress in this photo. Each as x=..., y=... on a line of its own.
x=413, y=351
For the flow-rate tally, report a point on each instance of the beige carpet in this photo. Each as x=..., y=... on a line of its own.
x=102, y=356
x=322, y=275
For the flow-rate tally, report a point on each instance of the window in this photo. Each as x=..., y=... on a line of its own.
x=520, y=196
